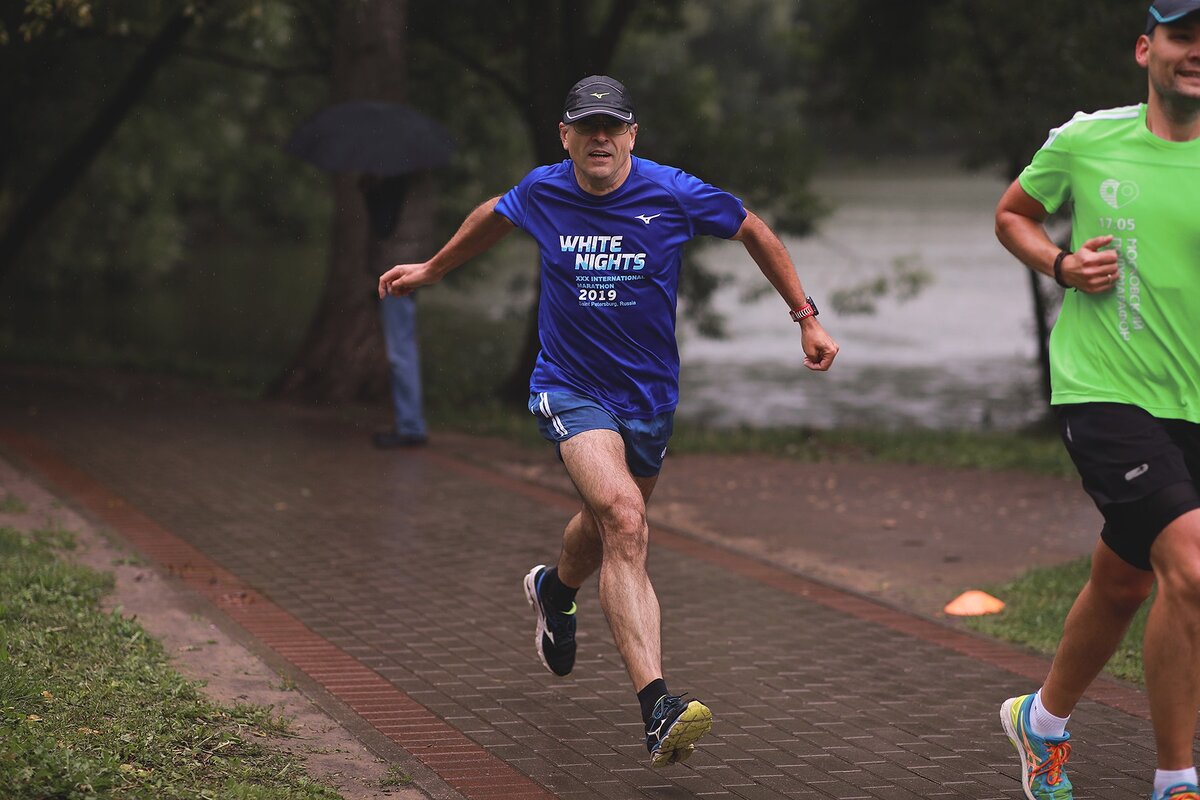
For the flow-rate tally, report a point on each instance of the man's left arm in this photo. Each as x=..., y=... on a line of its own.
x=772, y=258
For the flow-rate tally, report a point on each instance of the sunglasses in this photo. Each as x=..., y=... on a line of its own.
x=593, y=125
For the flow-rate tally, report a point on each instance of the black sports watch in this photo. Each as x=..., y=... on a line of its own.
x=809, y=309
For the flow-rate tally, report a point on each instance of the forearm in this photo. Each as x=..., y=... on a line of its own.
x=1020, y=227
x=772, y=259
x=1026, y=238
x=482, y=228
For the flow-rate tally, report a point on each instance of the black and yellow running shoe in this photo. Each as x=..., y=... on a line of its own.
x=674, y=728
x=555, y=636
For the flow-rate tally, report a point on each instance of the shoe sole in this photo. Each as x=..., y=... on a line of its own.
x=680, y=742
x=1010, y=729
x=531, y=596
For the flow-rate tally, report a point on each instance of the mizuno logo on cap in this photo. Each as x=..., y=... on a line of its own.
x=599, y=95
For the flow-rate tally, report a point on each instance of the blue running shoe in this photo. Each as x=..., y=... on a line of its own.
x=675, y=727
x=1182, y=791
x=555, y=636
x=1043, y=760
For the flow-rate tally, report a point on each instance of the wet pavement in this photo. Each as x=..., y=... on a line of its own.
x=392, y=581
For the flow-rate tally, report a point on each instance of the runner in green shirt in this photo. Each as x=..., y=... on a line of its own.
x=1125, y=370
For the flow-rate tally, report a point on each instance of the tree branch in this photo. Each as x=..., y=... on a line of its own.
x=72, y=163
x=469, y=61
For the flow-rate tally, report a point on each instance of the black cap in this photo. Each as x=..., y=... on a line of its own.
x=1165, y=11
x=598, y=94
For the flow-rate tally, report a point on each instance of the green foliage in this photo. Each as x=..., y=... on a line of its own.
x=11, y=504
x=39, y=17
x=987, y=78
x=906, y=281
x=200, y=159
x=89, y=707
x=1036, y=605
x=722, y=93
x=395, y=777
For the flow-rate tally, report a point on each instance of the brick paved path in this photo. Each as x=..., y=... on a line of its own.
x=394, y=580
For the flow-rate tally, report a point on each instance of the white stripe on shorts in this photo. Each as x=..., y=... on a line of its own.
x=557, y=423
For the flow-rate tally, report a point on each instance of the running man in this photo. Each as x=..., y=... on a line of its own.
x=1125, y=365
x=610, y=228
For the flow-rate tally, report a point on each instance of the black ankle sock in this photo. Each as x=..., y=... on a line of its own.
x=556, y=593
x=649, y=696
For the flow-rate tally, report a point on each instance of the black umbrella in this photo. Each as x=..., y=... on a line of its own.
x=376, y=138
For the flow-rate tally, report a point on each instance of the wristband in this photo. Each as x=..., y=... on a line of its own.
x=1058, y=259
x=809, y=309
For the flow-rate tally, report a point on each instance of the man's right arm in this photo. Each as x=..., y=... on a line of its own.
x=1020, y=227
x=482, y=228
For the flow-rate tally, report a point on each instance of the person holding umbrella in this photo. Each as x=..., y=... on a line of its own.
x=610, y=228
x=393, y=148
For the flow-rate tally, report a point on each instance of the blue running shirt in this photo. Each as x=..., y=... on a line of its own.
x=610, y=277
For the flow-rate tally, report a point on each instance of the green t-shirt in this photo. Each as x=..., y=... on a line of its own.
x=1138, y=343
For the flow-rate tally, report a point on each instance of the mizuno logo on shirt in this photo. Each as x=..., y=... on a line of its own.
x=647, y=217
x=1137, y=471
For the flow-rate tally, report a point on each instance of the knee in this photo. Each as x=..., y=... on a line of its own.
x=1126, y=596
x=1121, y=585
x=623, y=529
x=1179, y=583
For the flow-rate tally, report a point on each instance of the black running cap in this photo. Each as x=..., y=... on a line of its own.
x=1163, y=12
x=598, y=94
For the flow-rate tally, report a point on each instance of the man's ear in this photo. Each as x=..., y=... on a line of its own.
x=562, y=135
x=1141, y=50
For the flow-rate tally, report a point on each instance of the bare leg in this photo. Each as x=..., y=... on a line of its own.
x=582, y=549
x=1172, y=647
x=614, y=515
x=1094, y=628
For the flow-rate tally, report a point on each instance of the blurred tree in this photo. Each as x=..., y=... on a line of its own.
x=38, y=25
x=198, y=162
x=131, y=174
x=342, y=354
x=984, y=78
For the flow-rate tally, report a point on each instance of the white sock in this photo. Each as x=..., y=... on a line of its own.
x=1045, y=724
x=1166, y=778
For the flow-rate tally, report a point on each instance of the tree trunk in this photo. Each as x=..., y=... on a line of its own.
x=73, y=162
x=1041, y=319
x=342, y=357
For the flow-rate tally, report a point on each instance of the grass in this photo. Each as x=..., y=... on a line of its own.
x=89, y=707
x=11, y=504
x=1036, y=606
x=1028, y=451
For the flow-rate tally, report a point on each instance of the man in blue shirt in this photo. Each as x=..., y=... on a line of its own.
x=610, y=229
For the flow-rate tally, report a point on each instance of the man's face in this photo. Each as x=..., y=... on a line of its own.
x=1171, y=56
x=599, y=147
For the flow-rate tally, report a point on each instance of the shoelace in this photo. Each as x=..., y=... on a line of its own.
x=1054, y=763
x=666, y=702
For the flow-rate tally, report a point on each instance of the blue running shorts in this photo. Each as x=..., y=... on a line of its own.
x=562, y=415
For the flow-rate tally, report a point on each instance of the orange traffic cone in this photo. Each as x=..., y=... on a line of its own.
x=974, y=603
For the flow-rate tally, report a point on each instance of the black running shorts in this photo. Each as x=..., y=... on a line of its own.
x=1141, y=471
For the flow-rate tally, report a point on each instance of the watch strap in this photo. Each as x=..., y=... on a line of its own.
x=809, y=309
